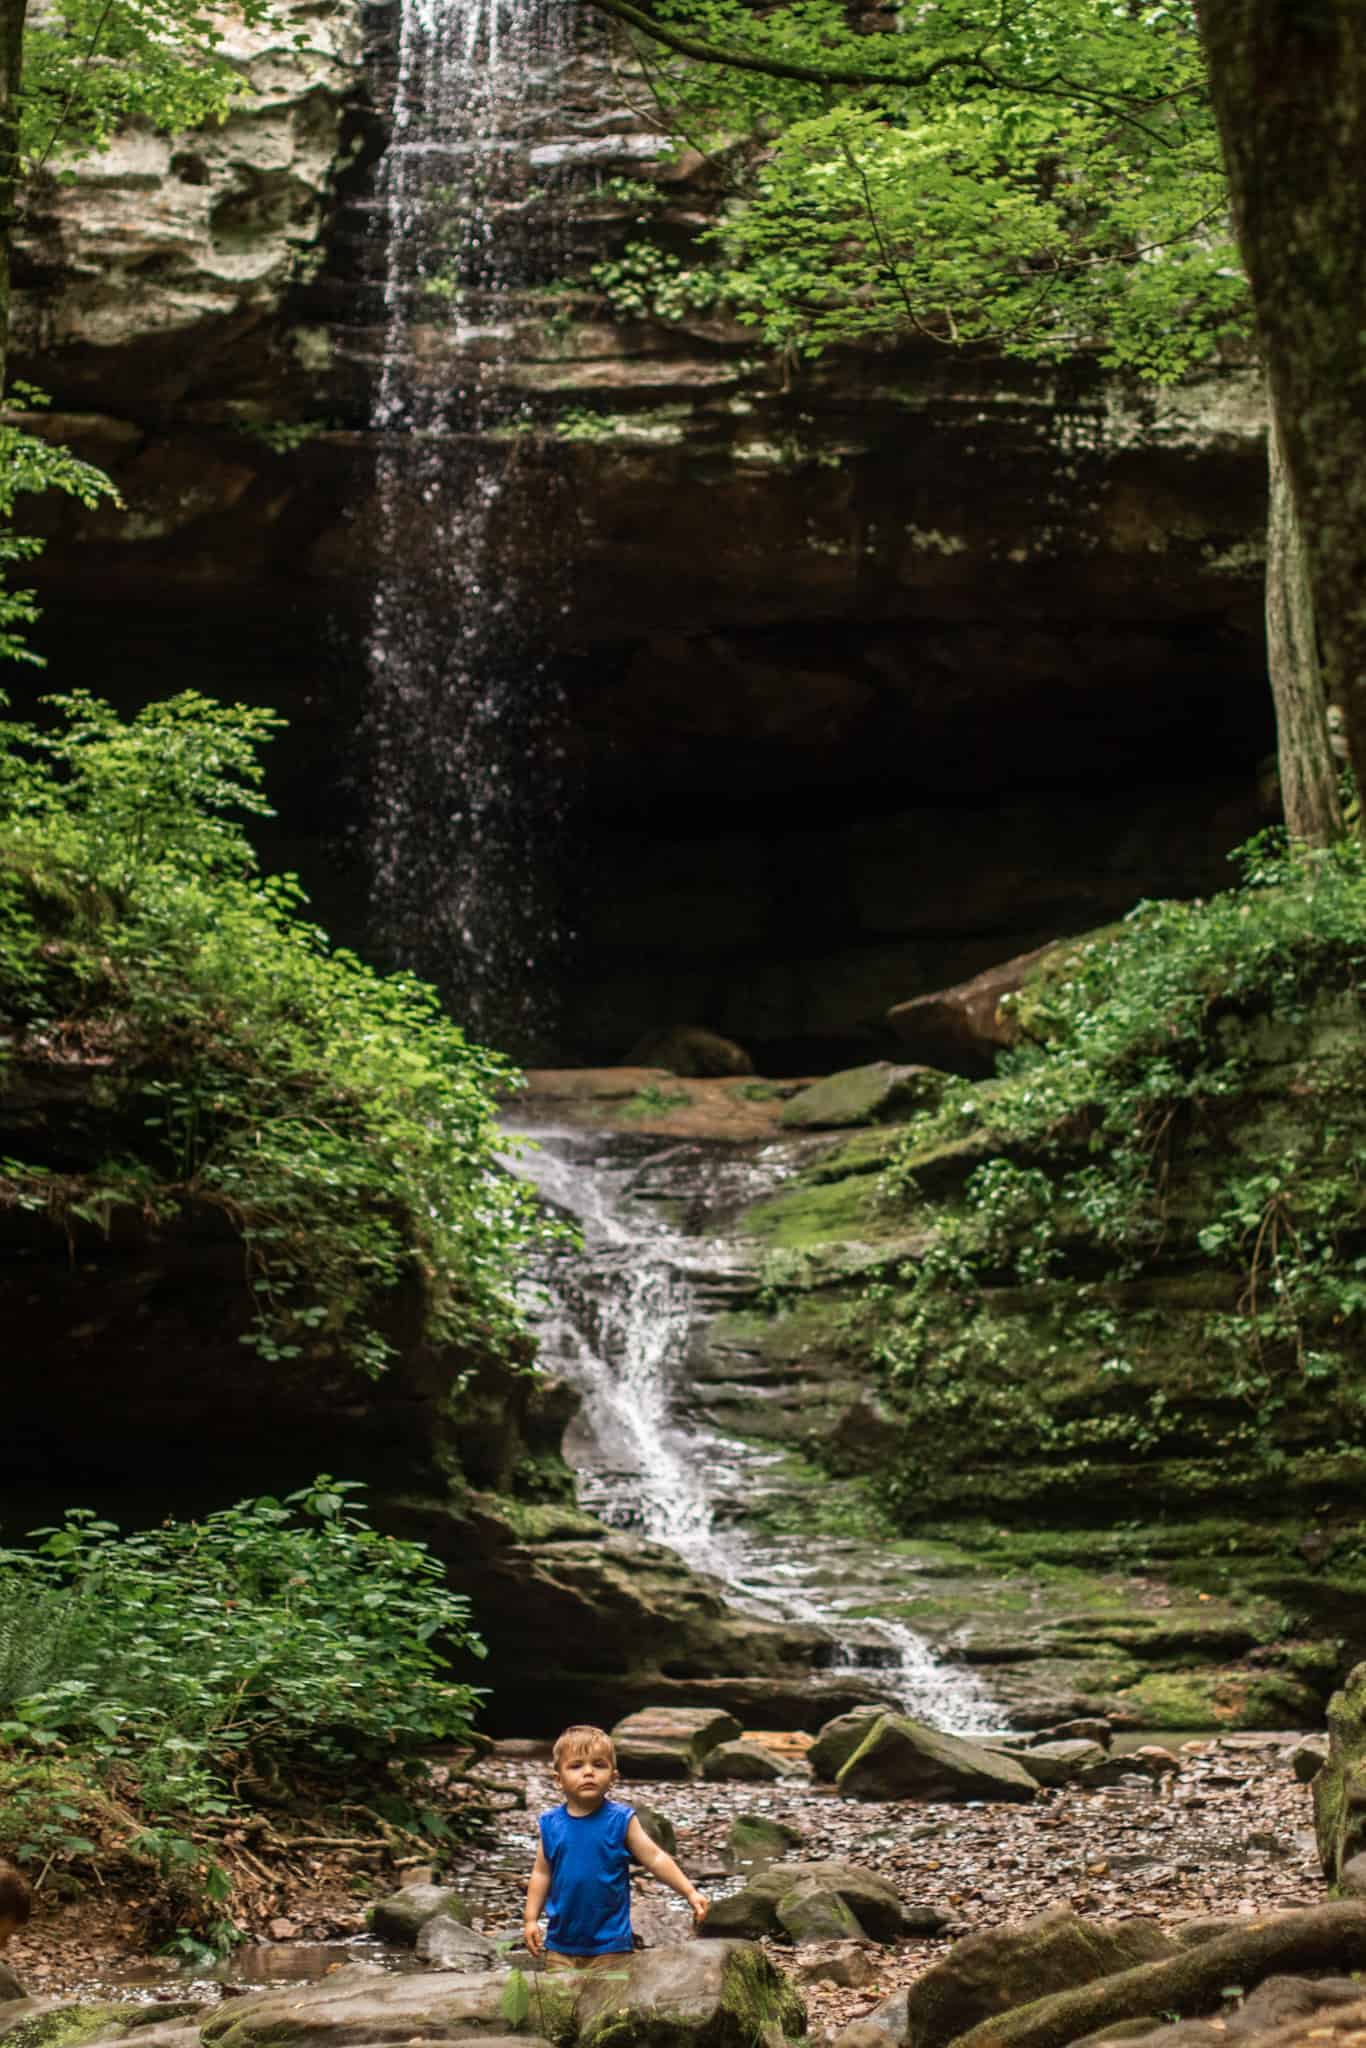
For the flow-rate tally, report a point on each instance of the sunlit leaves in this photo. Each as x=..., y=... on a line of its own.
x=1051, y=184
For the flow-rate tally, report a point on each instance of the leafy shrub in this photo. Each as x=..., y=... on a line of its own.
x=1119, y=1143
x=170, y=1663
x=648, y=283
x=339, y=1121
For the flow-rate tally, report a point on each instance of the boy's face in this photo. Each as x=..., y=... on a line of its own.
x=586, y=1779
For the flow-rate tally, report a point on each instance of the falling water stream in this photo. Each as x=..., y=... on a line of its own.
x=465, y=713
x=617, y=1319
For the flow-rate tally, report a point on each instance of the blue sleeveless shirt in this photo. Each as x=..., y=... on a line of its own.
x=588, y=1912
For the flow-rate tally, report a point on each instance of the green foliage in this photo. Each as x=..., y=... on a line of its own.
x=1123, y=1153
x=171, y=1663
x=342, y=1125
x=30, y=465
x=580, y=423
x=648, y=283
x=283, y=437
x=92, y=66
x=1044, y=177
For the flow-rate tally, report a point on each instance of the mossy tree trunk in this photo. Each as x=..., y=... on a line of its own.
x=11, y=58
x=1288, y=79
x=1309, y=781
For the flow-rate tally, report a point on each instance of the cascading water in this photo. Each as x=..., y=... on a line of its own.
x=617, y=1319
x=465, y=713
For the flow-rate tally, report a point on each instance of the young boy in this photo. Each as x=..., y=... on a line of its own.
x=583, y=1863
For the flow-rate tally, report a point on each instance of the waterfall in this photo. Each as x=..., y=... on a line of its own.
x=465, y=713
x=617, y=1319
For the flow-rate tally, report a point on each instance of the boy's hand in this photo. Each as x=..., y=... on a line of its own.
x=535, y=1940
x=701, y=1906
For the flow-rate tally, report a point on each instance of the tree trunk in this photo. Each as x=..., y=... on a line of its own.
x=1309, y=778
x=1288, y=80
x=11, y=58
x=1331, y=1937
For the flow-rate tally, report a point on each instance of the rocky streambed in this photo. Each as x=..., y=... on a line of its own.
x=1227, y=1830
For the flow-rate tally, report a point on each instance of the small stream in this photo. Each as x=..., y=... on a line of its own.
x=617, y=1320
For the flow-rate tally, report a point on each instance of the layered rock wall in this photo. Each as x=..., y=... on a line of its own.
x=873, y=672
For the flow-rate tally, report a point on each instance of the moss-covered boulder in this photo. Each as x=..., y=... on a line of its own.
x=1001, y=1968
x=69, y=2023
x=838, y=1740
x=716, y=1994
x=862, y=1095
x=904, y=1759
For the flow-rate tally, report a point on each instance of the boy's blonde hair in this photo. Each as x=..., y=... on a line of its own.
x=580, y=1741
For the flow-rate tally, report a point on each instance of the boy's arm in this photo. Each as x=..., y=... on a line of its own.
x=663, y=1867
x=537, y=1892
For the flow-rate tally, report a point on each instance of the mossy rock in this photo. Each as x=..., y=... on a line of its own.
x=711, y=1994
x=70, y=2026
x=863, y=1095
x=1231, y=1697
x=1340, y=1786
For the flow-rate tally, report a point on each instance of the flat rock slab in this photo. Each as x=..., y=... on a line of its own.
x=671, y=1742
x=365, y=2007
x=903, y=1759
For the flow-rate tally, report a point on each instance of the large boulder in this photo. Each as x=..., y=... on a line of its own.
x=1000, y=1968
x=717, y=1994
x=1340, y=1784
x=758, y=1909
x=402, y=1916
x=10, y=1987
x=838, y=1740
x=904, y=1759
x=671, y=1742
